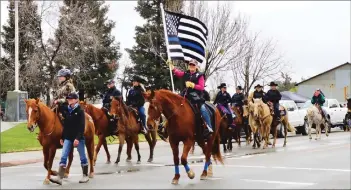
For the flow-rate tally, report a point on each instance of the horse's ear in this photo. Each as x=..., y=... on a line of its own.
x=37, y=100
x=147, y=95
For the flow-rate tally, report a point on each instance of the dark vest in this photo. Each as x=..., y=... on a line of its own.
x=194, y=78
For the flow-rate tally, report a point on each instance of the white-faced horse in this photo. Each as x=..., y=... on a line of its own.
x=315, y=117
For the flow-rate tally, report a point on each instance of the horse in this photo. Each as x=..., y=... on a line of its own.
x=315, y=117
x=247, y=128
x=181, y=127
x=39, y=115
x=228, y=134
x=128, y=129
x=101, y=127
x=254, y=125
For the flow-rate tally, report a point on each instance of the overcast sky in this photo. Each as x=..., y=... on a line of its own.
x=313, y=35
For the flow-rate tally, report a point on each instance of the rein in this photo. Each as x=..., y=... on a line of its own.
x=56, y=107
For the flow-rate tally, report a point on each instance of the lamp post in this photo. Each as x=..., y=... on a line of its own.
x=16, y=47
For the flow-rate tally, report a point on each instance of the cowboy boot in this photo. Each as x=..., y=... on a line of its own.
x=85, y=177
x=58, y=179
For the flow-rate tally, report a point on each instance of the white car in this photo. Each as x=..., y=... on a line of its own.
x=335, y=113
x=295, y=115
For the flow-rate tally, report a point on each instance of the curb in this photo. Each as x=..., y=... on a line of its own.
x=20, y=162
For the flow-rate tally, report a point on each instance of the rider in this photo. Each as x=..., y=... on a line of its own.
x=65, y=87
x=194, y=87
x=73, y=134
x=222, y=100
x=238, y=99
x=273, y=95
x=136, y=100
x=258, y=93
x=109, y=94
x=319, y=99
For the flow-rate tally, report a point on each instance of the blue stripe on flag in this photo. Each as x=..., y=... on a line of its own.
x=192, y=46
x=174, y=39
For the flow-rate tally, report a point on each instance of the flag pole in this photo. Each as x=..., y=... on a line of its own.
x=166, y=39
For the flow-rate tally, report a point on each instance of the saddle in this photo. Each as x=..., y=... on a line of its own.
x=112, y=122
x=199, y=121
x=281, y=109
x=135, y=112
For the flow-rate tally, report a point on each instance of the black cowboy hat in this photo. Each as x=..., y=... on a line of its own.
x=259, y=86
x=239, y=88
x=72, y=96
x=273, y=84
x=138, y=79
x=223, y=85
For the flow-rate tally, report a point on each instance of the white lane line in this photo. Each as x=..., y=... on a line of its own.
x=278, y=182
x=277, y=167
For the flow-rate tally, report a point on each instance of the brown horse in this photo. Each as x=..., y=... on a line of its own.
x=101, y=127
x=181, y=127
x=128, y=129
x=39, y=115
x=247, y=128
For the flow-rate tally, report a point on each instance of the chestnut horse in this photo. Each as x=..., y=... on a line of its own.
x=39, y=115
x=181, y=127
x=128, y=130
x=227, y=134
x=101, y=127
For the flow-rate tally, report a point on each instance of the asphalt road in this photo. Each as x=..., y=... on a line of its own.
x=303, y=163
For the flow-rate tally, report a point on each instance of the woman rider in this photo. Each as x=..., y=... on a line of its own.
x=65, y=87
x=136, y=100
x=195, y=85
x=222, y=100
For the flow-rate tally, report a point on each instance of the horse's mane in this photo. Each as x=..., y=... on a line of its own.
x=170, y=96
x=125, y=107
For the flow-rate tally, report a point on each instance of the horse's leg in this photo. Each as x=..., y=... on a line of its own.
x=46, y=161
x=108, y=155
x=326, y=130
x=129, y=141
x=175, y=150
x=208, y=163
x=89, y=143
x=187, y=146
x=238, y=135
x=224, y=142
x=136, y=143
x=52, y=152
x=121, y=139
x=151, y=145
x=317, y=131
x=275, y=133
x=309, y=130
x=285, y=132
x=192, y=149
x=70, y=160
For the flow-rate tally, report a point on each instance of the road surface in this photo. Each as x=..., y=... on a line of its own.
x=302, y=164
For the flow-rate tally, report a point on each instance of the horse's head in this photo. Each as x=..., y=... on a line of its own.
x=257, y=106
x=149, y=95
x=116, y=106
x=83, y=105
x=245, y=111
x=154, y=111
x=33, y=113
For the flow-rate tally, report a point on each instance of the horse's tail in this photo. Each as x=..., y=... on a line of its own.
x=216, y=151
x=290, y=128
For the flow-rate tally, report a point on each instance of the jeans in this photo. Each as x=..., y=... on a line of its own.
x=66, y=149
x=226, y=110
x=142, y=115
x=206, y=115
x=276, y=109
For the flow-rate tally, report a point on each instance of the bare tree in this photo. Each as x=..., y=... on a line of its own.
x=262, y=62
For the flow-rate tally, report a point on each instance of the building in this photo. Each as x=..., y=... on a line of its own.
x=334, y=83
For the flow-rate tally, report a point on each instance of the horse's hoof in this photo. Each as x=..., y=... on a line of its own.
x=203, y=177
x=65, y=175
x=46, y=182
x=150, y=160
x=53, y=173
x=316, y=139
x=107, y=162
x=210, y=171
x=139, y=162
x=225, y=151
x=191, y=174
x=284, y=145
x=128, y=160
x=175, y=181
x=91, y=175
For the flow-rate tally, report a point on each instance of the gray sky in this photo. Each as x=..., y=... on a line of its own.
x=313, y=35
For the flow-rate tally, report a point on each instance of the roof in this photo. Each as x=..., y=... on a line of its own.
x=347, y=63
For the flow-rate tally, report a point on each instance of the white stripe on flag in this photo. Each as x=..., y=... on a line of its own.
x=184, y=20
x=186, y=36
x=175, y=46
x=193, y=53
x=192, y=31
x=176, y=54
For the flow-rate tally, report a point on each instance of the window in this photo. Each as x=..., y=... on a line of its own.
x=333, y=104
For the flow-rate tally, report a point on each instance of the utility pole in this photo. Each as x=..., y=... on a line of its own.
x=16, y=47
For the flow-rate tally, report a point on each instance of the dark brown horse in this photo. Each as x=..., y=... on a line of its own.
x=101, y=127
x=128, y=129
x=39, y=115
x=181, y=127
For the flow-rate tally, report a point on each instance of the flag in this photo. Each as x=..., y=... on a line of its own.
x=187, y=37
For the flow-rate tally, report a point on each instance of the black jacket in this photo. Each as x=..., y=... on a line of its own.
x=206, y=96
x=222, y=98
x=135, y=97
x=349, y=103
x=273, y=96
x=238, y=99
x=73, y=124
x=112, y=92
x=260, y=94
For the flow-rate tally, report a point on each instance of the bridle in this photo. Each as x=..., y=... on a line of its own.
x=54, y=124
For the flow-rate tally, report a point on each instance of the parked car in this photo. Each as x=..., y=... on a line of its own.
x=335, y=113
x=295, y=115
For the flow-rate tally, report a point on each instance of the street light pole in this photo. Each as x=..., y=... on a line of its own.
x=16, y=47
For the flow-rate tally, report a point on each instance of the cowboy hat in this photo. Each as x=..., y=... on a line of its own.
x=72, y=96
x=223, y=85
x=239, y=88
x=138, y=79
x=258, y=86
x=110, y=81
x=273, y=84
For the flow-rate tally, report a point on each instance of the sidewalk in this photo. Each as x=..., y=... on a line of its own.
x=30, y=157
x=8, y=125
